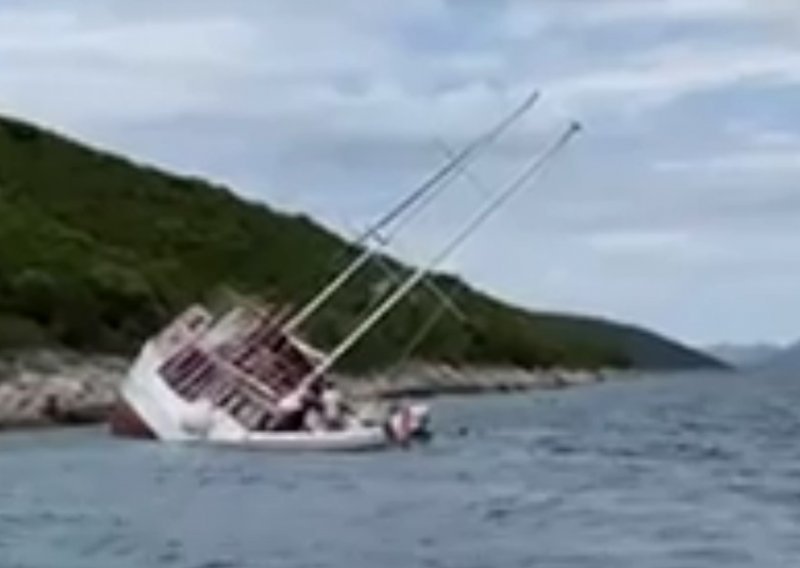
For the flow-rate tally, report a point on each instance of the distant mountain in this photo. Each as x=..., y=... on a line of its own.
x=787, y=359
x=96, y=252
x=744, y=356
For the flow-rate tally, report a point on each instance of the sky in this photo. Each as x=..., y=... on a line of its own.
x=677, y=209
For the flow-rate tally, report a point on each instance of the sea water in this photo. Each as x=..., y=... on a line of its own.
x=668, y=472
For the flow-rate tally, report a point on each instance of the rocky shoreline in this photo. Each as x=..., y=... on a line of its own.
x=422, y=381
x=48, y=388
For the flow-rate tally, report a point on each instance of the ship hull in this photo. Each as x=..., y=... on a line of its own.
x=348, y=440
x=149, y=409
x=125, y=422
x=189, y=384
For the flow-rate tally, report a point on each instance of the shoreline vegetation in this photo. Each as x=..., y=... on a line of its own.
x=97, y=253
x=49, y=388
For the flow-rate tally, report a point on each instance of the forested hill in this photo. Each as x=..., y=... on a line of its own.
x=96, y=252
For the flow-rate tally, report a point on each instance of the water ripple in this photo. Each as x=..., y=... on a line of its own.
x=674, y=473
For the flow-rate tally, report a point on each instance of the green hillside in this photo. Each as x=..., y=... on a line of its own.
x=96, y=252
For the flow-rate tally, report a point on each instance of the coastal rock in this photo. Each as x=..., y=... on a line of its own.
x=44, y=388
x=47, y=387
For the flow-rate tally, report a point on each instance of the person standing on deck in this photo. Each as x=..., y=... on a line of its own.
x=333, y=409
x=291, y=412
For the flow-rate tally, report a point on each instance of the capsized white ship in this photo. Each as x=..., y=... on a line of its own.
x=226, y=378
x=243, y=377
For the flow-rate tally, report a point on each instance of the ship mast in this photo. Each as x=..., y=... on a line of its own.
x=408, y=208
x=519, y=183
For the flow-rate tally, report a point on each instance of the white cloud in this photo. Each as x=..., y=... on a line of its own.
x=647, y=242
x=662, y=76
x=75, y=68
x=786, y=12
x=751, y=163
x=622, y=11
x=592, y=13
x=766, y=153
x=776, y=139
x=160, y=44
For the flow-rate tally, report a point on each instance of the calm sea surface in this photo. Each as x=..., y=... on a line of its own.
x=687, y=471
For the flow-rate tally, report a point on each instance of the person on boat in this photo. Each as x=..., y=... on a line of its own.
x=292, y=410
x=333, y=407
x=313, y=420
x=313, y=415
x=407, y=422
